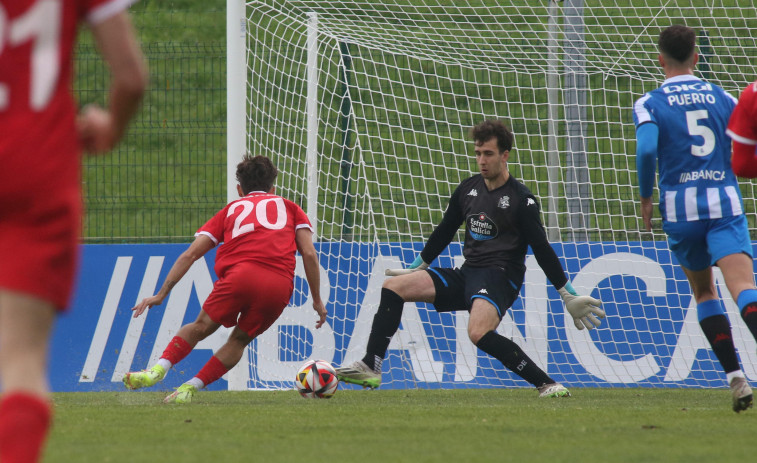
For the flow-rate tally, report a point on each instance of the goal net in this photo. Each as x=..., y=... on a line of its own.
x=365, y=108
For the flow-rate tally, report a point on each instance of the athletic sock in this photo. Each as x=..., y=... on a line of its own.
x=24, y=423
x=749, y=315
x=734, y=374
x=386, y=322
x=165, y=363
x=176, y=350
x=513, y=357
x=212, y=371
x=747, y=302
x=717, y=329
x=196, y=382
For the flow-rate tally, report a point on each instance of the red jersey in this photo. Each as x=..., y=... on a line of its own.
x=39, y=148
x=259, y=228
x=40, y=190
x=743, y=124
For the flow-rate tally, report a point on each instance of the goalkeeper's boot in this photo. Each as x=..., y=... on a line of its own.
x=742, y=394
x=144, y=378
x=359, y=373
x=553, y=390
x=182, y=395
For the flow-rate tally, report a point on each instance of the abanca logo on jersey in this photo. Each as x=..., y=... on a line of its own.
x=481, y=227
x=717, y=175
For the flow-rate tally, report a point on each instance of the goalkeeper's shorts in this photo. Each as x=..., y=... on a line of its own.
x=457, y=288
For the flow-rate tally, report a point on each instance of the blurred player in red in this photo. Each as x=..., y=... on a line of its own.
x=742, y=128
x=255, y=265
x=41, y=140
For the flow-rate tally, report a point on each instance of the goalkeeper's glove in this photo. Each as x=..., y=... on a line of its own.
x=417, y=264
x=583, y=309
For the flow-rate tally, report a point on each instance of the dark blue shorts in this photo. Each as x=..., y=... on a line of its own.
x=456, y=288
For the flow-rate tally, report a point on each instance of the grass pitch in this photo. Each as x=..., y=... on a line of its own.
x=480, y=425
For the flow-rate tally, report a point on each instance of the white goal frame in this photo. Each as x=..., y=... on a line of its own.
x=311, y=85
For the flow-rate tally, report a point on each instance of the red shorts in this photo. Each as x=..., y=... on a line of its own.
x=250, y=297
x=39, y=244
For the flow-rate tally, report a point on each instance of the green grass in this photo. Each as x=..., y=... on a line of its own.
x=485, y=425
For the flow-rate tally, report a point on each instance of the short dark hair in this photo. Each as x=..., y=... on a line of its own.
x=678, y=42
x=486, y=130
x=256, y=173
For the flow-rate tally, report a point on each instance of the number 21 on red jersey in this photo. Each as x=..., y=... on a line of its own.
x=40, y=25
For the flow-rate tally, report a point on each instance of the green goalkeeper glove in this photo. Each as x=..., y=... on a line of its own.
x=583, y=309
x=417, y=264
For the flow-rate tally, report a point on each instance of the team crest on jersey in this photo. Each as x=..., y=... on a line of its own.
x=473, y=193
x=504, y=202
x=481, y=227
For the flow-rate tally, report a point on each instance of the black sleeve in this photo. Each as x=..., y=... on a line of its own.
x=533, y=230
x=445, y=231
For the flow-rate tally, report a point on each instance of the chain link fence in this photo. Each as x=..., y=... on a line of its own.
x=168, y=175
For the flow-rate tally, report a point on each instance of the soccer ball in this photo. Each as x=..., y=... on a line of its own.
x=316, y=379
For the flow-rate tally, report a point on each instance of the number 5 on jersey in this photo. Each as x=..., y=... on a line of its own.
x=692, y=119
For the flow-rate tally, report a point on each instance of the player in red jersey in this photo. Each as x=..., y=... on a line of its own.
x=41, y=139
x=255, y=266
x=742, y=128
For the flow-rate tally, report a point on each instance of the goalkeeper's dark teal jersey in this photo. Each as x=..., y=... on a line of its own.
x=499, y=227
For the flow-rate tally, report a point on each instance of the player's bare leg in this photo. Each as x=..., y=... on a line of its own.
x=231, y=352
x=738, y=273
x=223, y=360
x=25, y=327
x=715, y=324
x=188, y=336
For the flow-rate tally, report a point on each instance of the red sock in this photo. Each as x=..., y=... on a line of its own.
x=212, y=370
x=176, y=350
x=24, y=422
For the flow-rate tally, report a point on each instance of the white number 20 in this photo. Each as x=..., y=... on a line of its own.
x=261, y=214
x=41, y=24
x=692, y=119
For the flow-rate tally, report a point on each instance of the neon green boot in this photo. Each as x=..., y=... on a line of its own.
x=144, y=378
x=182, y=395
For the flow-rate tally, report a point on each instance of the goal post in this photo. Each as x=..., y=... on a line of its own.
x=365, y=108
x=236, y=92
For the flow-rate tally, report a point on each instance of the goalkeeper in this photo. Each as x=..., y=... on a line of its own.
x=501, y=219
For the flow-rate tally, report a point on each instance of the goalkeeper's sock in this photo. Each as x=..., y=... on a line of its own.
x=717, y=329
x=513, y=357
x=747, y=303
x=212, y=371
x=386, y=322
x=24, y=424
x=176, y=350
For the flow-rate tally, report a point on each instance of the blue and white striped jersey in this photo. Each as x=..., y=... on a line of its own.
x=693, y=151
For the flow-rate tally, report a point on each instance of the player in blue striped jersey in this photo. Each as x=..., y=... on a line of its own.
x=680, y=128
